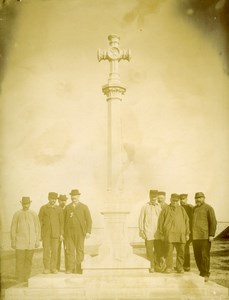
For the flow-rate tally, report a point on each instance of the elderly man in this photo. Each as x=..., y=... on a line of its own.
x=62, y=199
x=203, y=232
x=173, y=227
x=189, y=210
x=78, y=224
x=147, y=224
x=25, y=237
x=52, y=229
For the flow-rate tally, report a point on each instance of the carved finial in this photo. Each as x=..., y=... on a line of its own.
x=114, y=40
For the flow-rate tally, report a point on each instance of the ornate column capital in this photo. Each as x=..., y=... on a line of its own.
x=113, y=91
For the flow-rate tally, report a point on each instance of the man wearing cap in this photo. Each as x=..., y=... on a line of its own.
x=52, y=229
x=25, y=237
x=161, y=198
x=78, y=224
x=62, y=199
x=203, y=232
x=173, y=227
x=147, y=224
x=159, y=244
x=189, y=210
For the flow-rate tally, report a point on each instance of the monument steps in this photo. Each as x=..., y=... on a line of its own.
x=117, y=285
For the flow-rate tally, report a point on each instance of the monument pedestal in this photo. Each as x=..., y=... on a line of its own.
x=117, y=285
x=116, y=251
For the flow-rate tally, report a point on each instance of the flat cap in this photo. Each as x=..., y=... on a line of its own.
x=52, y=195
x=161, y=193
x=175, y=197
x=25, y=200
x=199, y=195
x=62, y=197
x=153, y=193
x=183, y=195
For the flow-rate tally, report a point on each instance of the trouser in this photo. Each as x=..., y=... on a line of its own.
x=179, y=257
x=74, y=248
x=59, y=256
x=187, y=255
x=23, y=264
x=160, y=252
x=150, y=251
x=50, y=249
x=202, y=256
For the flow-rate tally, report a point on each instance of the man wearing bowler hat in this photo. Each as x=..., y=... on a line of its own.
x=52, y=229
x=62, y=199
x=25, y=237
x=77, y=226
x=173, y=226
x=203, y=232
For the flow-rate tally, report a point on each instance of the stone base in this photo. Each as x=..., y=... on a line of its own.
x=132, y=261
x=117, y=284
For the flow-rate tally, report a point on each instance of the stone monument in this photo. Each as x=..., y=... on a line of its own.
x=115, y=252
x=116, y=273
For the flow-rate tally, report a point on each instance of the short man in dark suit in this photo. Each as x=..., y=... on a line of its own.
x=77, y=225
x=52, y=229
x=62, y=199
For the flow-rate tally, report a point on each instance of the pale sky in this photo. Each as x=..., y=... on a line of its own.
x=175, y=110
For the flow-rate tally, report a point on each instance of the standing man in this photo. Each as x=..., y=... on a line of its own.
x=189, y=211
x=78, y=224
x=147, y=224
x=203, y=232
x=159, y=244
x=62, y=199
x=25, y=237
x=173, y=227
x=52, y=229
x=161, y=198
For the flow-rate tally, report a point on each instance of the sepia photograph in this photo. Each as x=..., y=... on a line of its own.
x=114, y=134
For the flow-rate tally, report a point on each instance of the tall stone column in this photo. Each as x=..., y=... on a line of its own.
x=116, y=251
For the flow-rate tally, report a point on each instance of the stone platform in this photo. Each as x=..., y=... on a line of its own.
x=126, y=284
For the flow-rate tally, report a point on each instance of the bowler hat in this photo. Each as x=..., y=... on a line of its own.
x=160, y=193
x=175, y=197
x=74, y=192
x=62, y=197
x=199, y=195
x=52, y=195
x=25, y=200
x=153, y=193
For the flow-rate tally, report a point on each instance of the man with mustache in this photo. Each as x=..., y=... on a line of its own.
x=203, y=232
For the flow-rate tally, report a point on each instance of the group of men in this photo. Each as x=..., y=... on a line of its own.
x=163, y=226
x=55, y=225
x=167, y=226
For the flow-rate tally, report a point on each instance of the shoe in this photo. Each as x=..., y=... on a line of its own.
x=180, y=271
x=186, y=269
x=151, y=270
x=54, y=271
x=46, y=271
x=168, y=271
x=206, y=278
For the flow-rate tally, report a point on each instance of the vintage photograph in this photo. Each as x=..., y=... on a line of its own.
x=114, y=134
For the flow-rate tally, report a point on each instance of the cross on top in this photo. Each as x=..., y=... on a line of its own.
x=114, y=55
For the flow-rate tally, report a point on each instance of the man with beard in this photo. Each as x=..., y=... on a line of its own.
x=203, y=232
